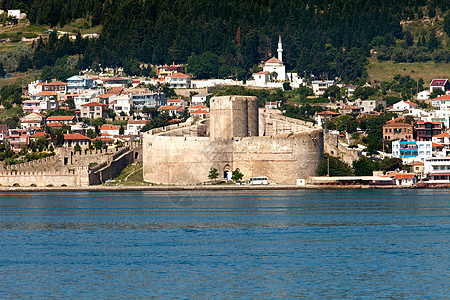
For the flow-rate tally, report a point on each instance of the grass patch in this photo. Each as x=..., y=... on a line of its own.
x=13, y=111
x=386, y=70
x=131, y=175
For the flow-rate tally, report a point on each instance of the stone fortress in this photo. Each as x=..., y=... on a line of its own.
x=238, y=135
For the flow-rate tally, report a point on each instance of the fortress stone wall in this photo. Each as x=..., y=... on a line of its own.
x=238, y=135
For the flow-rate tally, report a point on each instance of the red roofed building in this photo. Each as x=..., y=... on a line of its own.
x=107, y=140
x=200, y=113
x=38, y=135
x=116, y=82
x=439, y=84
x=166, y=70
x=398, y=131
x=62, y=119
x=324, y=116
x=195, y=107
x=178, y=80
x=55, y=125
x=56, y=86
x=427, y=130
x=440, y=101
x=94, y=110
x=172, y=110
x=134, y=126
x=443, y=139
x=110, y=129
x=71, y=139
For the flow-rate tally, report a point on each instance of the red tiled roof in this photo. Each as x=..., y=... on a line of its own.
x=109, y=127
x=398, y=125
x=103, y=138
x=168, y=107
x=416, y=163
x=40, y=133
x=56, y=83
x=263, y=73
x=46, y=93
x=60, y=118
x=438, y=82
x=75, y=136
x=396, y=120
x=410, y=103
x=199, y=106
x=274, y=60
x=54, y=124
x=443, y=97
x=444, y=134
x=137, y=122
x=94, y=104
x=199, y=111
x=178, y=75
x=404, y=176
x=437, y=145
x=327, y=112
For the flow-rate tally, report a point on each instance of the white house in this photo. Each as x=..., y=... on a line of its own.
x=175, y=102
x=86, y=97
x=200, y=99
x=319, y=86
x=35, y=87
x=423, y=95
x=370, y=105
x=134, y=126
x=178, y=80
x=440, y=101
x=439, y=84
x=437, y=169
x=123, y=103
x=261, y=77
x=109, y=129
x=405, y=105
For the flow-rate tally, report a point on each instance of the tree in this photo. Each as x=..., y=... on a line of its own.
x=447, y=24
x=98, y=144
x=335, y=166
x=121, y=130
x=213, y=174
x=409, y=40
x=237, y=175
x=436, y=93
x=204, y=66
x=364, y=166
x=2, y=70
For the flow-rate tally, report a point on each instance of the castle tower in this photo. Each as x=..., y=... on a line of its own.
x=233, y=116
x=280, y=49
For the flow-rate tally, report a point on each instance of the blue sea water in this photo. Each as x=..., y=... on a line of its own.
x=333, y=244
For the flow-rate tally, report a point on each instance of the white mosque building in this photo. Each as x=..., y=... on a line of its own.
x=274, y=72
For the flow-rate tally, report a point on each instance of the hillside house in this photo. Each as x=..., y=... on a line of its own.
x=178, y=80
x=94, y=110
x=439, y=84
x=397, y=131
x=79, y=83
x=58, y=87
x=61, y=119
x=427, y=130
x=200, y=99
x=71, y=139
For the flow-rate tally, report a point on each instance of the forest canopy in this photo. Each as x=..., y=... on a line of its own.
x=325, y=38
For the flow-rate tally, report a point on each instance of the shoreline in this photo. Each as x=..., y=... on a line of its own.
x=162, y=188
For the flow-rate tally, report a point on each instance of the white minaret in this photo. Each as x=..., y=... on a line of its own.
x=280, y=49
